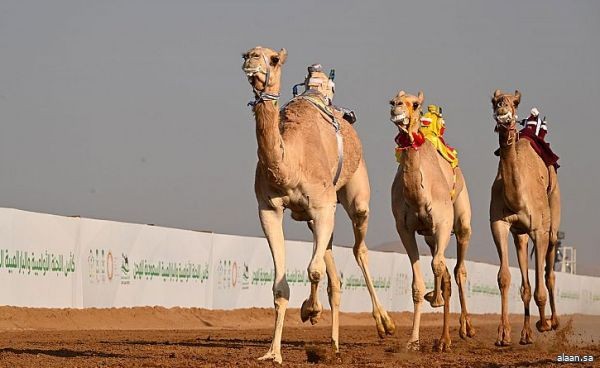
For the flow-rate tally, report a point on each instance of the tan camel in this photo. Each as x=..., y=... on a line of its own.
x=431, y=199
x=297, y=164
x=526, y=202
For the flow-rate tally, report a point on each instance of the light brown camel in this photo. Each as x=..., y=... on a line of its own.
x=526, y=202
x=297, y=164
x=431, y=199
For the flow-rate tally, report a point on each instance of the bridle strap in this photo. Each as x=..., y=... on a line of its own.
x=262, y=96
x=511, y=128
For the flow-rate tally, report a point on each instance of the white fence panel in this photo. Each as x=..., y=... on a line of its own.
x=127, y=265
x=39, y=265
x=55, y=261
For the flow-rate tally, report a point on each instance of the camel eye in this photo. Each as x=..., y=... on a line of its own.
x=392, y=103
x=415, y=105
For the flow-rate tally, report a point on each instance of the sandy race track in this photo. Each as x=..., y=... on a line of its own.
x=159, y=337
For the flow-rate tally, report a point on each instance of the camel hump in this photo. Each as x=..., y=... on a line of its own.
x=352, y=148
x=303, y=111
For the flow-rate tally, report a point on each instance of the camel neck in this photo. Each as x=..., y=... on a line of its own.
x=271, y=151
x=413, y=178
x=511, y=173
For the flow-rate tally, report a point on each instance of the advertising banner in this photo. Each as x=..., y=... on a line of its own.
x=127, y=265
x=71, y=262
x=39, y=263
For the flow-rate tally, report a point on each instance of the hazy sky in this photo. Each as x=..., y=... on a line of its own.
x=136, y=110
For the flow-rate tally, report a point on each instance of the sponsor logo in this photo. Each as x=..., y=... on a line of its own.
x=101, y=266
x=125, y=275
x=245, y=277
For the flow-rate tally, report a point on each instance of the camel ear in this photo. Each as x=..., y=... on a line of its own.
x=517, y=98
x=495, y=97
x=279, y=58
x=401, y=93
x=421, y=97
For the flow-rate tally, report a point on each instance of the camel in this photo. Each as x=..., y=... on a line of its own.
x=431, y=199
x=526, y=202
x=297, y=165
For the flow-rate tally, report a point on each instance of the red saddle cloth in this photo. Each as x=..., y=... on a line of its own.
x=541, y=147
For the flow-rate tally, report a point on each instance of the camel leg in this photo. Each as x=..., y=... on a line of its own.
x=438, y=264
x=355, y=198
x=323, y=224
x=500, y=231
x=540, y=240
x=550, y=283
x=443, y=344
x=272, y=224
x=333, y=292
x=554, y=201
x=521, y=244
x=462, y=230
x=418, y=284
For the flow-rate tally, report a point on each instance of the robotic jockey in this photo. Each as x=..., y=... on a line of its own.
x=323, y=84
x=535, y=124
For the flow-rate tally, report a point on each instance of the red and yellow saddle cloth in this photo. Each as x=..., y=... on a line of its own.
x=432, y=129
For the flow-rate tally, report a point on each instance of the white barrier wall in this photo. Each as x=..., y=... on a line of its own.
x=39, y=260
x=126, y=265
x=54, y=261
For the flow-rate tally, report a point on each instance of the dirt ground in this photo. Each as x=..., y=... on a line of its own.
x=177, y=337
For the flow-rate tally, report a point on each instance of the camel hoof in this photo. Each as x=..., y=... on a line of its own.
x=526, y=337
x=442, y=345
x=503, y=336
x=310, y=311
x=466, y=329
x=276, y=357
x=413, y=345
x=471, y=331
x=388, y=324
x=435, y=301
x=544, y=326
x=385, y=325
x=555, y=323
x=335, y=346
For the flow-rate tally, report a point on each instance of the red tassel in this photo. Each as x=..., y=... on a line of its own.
x=419, y=139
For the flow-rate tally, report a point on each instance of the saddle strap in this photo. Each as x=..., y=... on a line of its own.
x=340, y=144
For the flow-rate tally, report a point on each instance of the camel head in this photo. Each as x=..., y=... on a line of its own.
x=406, y=113
x=505, y=108
x=262, y=66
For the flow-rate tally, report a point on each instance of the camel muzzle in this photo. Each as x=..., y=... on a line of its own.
x=401, y=121
x=504, y=118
